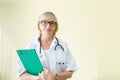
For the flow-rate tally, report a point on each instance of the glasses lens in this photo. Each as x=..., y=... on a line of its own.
x=52, y=23
x=45, y=23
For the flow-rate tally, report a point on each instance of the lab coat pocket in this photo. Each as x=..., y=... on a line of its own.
x=61, y=66
x=61, y=61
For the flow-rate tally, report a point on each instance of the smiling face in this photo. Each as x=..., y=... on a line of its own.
x=47, y=24
x=47, y=27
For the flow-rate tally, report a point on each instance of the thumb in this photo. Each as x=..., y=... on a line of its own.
x=41, y=75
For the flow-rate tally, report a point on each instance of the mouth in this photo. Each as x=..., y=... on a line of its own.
x=48, y=30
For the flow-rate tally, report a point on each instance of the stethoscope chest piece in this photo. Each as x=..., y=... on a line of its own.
x=41, y=55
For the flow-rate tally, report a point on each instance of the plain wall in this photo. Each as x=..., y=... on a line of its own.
x=90, y=27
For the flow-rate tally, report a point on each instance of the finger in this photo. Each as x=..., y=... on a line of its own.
x=45, y=71
x=41, y=76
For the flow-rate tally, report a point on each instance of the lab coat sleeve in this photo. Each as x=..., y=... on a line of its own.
x=21, y=68
x=71, y=64
x=32, y=45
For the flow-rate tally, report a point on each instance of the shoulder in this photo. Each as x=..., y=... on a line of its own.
x=33, y=44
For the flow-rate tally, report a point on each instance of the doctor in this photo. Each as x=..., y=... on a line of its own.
x=53, y=53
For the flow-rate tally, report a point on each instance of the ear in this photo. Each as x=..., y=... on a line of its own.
x=38, y=26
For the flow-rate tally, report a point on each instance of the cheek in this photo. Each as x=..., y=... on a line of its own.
x=40, y=28
x=54, y=29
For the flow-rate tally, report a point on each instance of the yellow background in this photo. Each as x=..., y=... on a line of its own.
x=90, y=27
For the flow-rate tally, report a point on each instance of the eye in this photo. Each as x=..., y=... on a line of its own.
x=45, y=22
x=52, y=22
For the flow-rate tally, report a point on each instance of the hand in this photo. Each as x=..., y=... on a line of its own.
x=27, y=76
x=59, y=77
x=47, y=75
x=64, y=75
x=37, y=78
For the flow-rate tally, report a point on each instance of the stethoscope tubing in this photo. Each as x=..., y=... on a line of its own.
x=55, y=46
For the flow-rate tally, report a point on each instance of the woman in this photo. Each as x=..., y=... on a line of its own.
x=53, y=53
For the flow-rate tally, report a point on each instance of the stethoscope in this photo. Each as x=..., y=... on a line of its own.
x=57, y=45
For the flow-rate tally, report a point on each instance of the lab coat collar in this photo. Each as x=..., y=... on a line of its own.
x=54, y=42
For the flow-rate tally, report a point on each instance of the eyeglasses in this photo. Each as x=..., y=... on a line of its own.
x=51, y=23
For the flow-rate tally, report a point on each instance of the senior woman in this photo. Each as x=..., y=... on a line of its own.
x=53, y=52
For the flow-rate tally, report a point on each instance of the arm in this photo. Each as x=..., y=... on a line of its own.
x=64, y=75
x=27, y=76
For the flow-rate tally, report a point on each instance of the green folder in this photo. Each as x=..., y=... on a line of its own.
x=30, y=61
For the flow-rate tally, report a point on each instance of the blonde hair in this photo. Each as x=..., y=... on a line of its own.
x=49, y=15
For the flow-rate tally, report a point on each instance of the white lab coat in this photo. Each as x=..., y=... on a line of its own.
x=56, y=61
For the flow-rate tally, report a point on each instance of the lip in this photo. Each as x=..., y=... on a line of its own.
x=49, y=30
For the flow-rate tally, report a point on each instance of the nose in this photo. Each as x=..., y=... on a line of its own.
x=48, y=25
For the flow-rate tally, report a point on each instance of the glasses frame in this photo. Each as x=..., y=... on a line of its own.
x=51, y=23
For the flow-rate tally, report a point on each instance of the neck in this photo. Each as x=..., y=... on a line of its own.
x=46, y=38
x=46, y=41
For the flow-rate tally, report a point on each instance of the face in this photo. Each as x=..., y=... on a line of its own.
x=47, y=26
